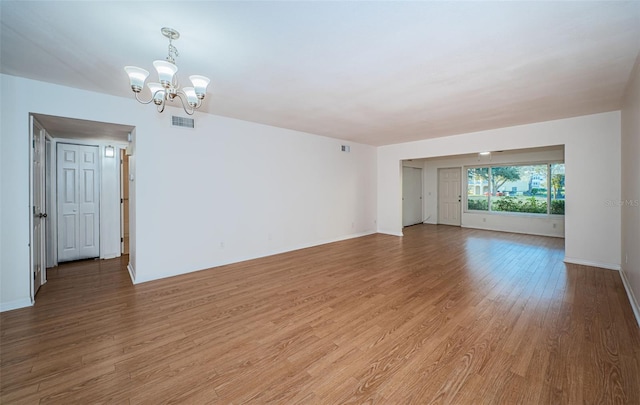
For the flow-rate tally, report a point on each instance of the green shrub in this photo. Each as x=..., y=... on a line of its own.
x=557, y=207
x=478, y=205
x=513, y=204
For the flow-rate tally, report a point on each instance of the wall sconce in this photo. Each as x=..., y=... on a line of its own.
x=109, y=151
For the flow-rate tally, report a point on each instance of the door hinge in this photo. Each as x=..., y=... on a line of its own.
x=121, y=239
x=33, y=143
x=121, y=200
x=34, y=275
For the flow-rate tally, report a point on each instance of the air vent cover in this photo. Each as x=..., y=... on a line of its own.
x=182, y=122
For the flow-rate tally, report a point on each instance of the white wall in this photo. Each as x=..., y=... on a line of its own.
x=227, y=191
x=522, y=223
x=630, y=199
x=234, y=190
x=592, y=167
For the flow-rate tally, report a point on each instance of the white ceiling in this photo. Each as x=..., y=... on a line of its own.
x=371, y=72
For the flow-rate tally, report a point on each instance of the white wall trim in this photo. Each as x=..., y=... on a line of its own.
x=322, y=242
x=132, y=272
x=609, y=266
x=272, y=253
x=392, y=233
x=632, y=298
x=17, y=304
x=515, y=231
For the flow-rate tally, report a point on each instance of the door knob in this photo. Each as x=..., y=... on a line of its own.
x=42, y=215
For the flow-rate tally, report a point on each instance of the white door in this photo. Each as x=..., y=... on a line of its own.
x=449, y=196
x=78, y=177
x=37, y=206
x=411, y=196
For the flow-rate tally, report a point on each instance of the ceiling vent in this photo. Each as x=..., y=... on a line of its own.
x=183, y=122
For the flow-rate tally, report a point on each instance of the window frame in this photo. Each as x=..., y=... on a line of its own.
x=490, y=211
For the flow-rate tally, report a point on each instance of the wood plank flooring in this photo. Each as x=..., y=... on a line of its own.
x=443, y=315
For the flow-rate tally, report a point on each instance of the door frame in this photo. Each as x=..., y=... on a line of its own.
x=52, y=207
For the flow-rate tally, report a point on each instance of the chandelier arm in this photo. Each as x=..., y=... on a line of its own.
x=161, y=106
x=142, y=101
x=179, y=94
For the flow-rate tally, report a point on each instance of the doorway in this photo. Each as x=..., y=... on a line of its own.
x=101, y=136
x=449, y=196
x=411, y=196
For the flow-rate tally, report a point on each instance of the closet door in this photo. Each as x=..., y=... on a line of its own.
x=78, y=202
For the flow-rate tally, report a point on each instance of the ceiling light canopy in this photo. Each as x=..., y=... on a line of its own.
x=167, y=87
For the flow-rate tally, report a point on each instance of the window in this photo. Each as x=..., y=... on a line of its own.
x=557, y=188
x=478, y=189
x=531, y=189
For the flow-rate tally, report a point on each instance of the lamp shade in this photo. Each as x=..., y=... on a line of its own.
x=137, y=76
x=157, y=92
x=200, y=84
x=166, y=70
x=192, y=99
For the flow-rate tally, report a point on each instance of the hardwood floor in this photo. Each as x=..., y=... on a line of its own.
x=443, y=315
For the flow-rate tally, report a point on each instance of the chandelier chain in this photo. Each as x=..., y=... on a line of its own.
x=173, y=53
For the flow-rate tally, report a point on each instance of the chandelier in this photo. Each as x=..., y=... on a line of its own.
x=168, y=88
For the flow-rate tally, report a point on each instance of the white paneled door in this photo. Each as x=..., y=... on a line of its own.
x=449, y=196
x=37, y=205
x=411, y=196
x=78, y=177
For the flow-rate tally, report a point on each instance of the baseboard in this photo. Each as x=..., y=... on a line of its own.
x=631, y=296
x=16, y=304
x=240, y=259
x=313, y=244
x=550, y=235
x=392, y=233
x=610, y=266
x=132, y=272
